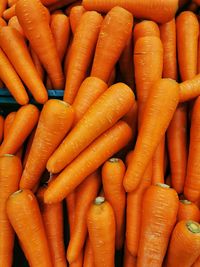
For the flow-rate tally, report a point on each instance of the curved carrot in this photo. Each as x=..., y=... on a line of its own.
x=190, y=89
x=14, y=23
x=75, y=16
x=100, y=150
x=105, y=112
x=113, y=172
x=89, y=91
x=2, y=22
x=129, y=260
x=32, y=12
x=158, y=10
x=188, y=211
x=114, y=34
x=145, y=28
x=14, y=46
x=9, y=13
x=24, y=122
x=101, y=229
x=33, y=238
x=157, y=224
x=151, y=132
x=184, y=244
x=37, y=63
x=1, y=128
x=10, y=173
x=81, y=52
x=158, y=159
x=88, y=255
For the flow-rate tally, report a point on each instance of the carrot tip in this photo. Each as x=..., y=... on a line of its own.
x=99, y=200
x=113, y=160
x=163, y=185
x=185, y=201
x=193, y=227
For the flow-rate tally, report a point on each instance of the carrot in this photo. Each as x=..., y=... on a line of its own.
x=78, y=262
x=37, y=63
x=8, y=122
x=85, y=194
x=187, y=44
x=14, y=46
x=31, y=12
x=52, y=216
x=110, y=107
x=75, y=16
x=113, y=172
x=1, y=128
x=157, y=224
x=55, y=121
x=101, y=149
x=184, y=244
x=2, y=22
x=197, y=262
x=33, y=238
x=60, y=28
x=25, y=120
x=114, y=34
x=160, y=11
x=163, y=99
x=3, y=6
x=68, y=8
x=190, y=89
x=10, y=173
x=71, y=204
x=129, y=260
x=158, y=163
x=88, y=255
x=145, y=28
x=60, y=4
x=89, y=91
x=12, y=81
x=14, y=23
x=188, y=211
x=131, y=117
x=101, y=228
x=81, y=53
x=9, y=13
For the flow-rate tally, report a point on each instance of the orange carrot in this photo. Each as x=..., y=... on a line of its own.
x=14, y=23
x=89, y=91
x=3, y=6
x=28, y=147
x=9, y=13
x=37, y=63
x=85, y=194
x=25, y=120
x=145, y=28
x=31, y=12
x=160, y=11
x=131, y=117
x=2, y=22
x=88, y=255
x=129, y=260
x=75, y=16
x=190, y=89
x=14, y=46
x=10, y=173
x=101, y=149
x=188, y=211
x=157, y=224
x=110, y=107
x=101, y=228
x=33, y=238
x=81, y=53
x=113, y=172
x=114, y=34
x=78, y=262
x=68, y=9
x=163, y=99
x=8, y=122
x=71, y=204
x=1, y=128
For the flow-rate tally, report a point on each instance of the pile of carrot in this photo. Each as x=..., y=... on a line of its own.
x=109, y=175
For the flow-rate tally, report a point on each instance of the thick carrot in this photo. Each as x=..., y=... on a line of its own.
x=14, y=23
x=187, y=27
x=114, y=34
x=160, y=11
x=9, y=13
x=188, y=211
x=89, y=91
x=1, y=128
x=55, y=121
x=24, y=122
x=100, y=150
x=145, y=28
x=88, y=255
x=10, y=173
x=2, y=22
x=81, y=52
x=52, y=216
x=129, y=260
x=75, y=16
x=85, y=194
x=14, y=46
x=184, y=244
x=12, y=81
x=190, y=89
x=32, y=12
x=157, y=224
x=32, y=238
x=163, y=99
x=113, y=172
x=37, y=63
x=101, y=229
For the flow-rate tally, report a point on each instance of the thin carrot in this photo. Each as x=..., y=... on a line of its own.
x=129, y=260
x=145, y=28
x=14, y=23
x=114, y=34
x=160, y=11
x=12, y=81
x=33, y=238
x=190, y=89
x=81, y=52
x=37, y=63
x=9, y=13
x=157, y=224
x=25, y=120
x=60, y=4
x=88, y=255
x=89, y=91
x=2, y=22
x=14, y=46
x=113, y=172
x=32, y=12
x=55, y=121
x=85, y=194
x=10, y=173
x=92, y=125
x=163, y=99
x=184, y=244
x=75, y=16
x=1, y=128
x=188, y=211
x=100, y=150
x=101, y=228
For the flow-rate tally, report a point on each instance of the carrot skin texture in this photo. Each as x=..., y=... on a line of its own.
x=10, y=172
x=188, y=211
x=88, y=255
x=37, y=63
x=96, y=153
x=37, y=253
x=75, y=16
x=145, y=28
x=158, y=172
